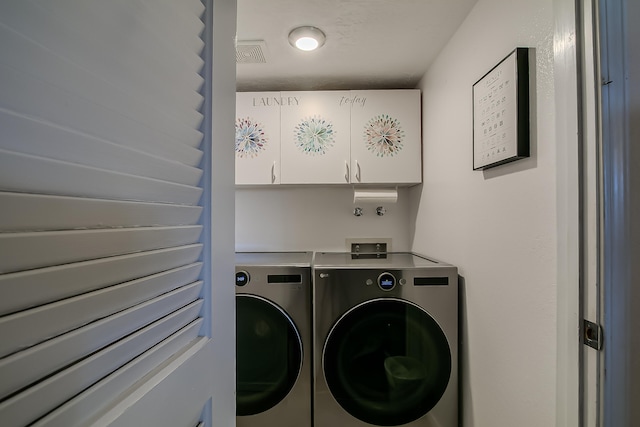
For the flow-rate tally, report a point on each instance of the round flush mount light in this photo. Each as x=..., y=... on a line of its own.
x=306, y=38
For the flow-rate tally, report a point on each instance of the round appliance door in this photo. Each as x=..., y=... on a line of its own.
x=387, y=362
x=268, y=354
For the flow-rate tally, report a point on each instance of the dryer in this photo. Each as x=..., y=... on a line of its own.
x=386, y=341
x=273, y=339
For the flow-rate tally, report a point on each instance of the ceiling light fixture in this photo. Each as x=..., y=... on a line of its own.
x=306, y=38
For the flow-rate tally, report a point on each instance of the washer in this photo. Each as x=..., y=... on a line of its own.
x=273, y=339
x=386, y=341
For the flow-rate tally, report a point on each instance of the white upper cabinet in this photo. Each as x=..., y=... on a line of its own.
x=315, y=134
x=258, y=138
x=329, y=137
x=386, y=137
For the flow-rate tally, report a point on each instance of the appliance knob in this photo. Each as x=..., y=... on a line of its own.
x=242, y=278
x=386, y=281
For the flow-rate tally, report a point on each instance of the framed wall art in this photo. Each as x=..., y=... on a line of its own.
x=501, y=112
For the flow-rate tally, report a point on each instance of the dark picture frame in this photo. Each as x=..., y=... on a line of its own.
x=501, y=99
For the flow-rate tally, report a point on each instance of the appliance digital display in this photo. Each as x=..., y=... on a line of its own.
x=431, y=281
x=284, y=278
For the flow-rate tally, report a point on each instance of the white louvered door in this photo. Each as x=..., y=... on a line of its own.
x=104, y=229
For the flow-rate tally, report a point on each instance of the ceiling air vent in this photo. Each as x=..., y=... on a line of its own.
x=251, y=52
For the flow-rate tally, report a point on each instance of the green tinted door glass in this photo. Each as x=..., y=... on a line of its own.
x=268, y=354
x=387, y=362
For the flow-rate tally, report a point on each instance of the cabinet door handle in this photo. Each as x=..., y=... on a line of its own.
x=273, y=173
x=346, y=175
x=358, y=176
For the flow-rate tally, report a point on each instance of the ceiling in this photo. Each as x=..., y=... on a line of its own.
x=371, y=44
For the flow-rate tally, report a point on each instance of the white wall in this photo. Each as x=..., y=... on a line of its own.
x=314, y=219
x=497, y=226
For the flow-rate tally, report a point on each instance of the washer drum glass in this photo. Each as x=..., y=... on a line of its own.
x=387, y=362
x=268, y=354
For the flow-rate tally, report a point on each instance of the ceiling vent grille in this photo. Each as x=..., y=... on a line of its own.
x=251, y=52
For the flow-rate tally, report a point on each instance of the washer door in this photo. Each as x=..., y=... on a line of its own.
x=387, y=362
x=268, y=354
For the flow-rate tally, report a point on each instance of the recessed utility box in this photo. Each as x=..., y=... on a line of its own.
x=368, y=248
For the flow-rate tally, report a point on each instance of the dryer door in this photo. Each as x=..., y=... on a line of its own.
x=268, y=354
x=387, y=362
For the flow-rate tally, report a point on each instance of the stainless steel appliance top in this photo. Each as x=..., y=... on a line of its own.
x=395, y=260
x=274, y=259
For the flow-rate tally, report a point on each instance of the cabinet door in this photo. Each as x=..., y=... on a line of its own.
x=257, y=137
x=386, y=138
x=315, y=135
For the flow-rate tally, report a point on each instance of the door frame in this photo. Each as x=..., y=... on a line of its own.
x=621, y=205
